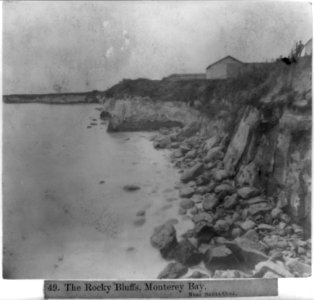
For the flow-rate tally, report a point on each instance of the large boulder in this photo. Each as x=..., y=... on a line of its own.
x=163, y=142
x=187, y=204
x=189, y=130
x=230, y=201
x=248, y=192
x=230, y=274
x=186, y=192
x=224, y=189
x=210, y=202
x=220, y=258
x=187, y=254
x=198, y=274
x=210, y=143
x=259, y=208
x=219, y=175
x=265, y=266
x=298, y=268
x=165, y=240
x=214, y=154
x=172, y=271
x=203, y=217
x=192, y=172
x=247, y=252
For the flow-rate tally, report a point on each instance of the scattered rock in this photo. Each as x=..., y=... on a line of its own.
x=184, y=148
x=210, y=143
x=165, y=207
x=210, y=202
x=221, y=258
x=270, y=274
x=164, y=239
x=251, y=235
x=189, y=130
x=246, y=252
x=230, y=201
x=221, y=226
x=139, y=222
x=187, y=204
x=191, y=154
x=230, y=274
x=172, y=271
x=204, y=232
x=223, y=190
x=220, y=175
x=187, y=254
x=203, y=217
x=197, y=274
x=248, y=224
x=248, y=192
x=141, y=213
x=191, y=173
x=276, y=212
x=214, y=154
x=265, y=227
x=186, y=192
x=194, y=211
x=236, y=232
x=259, y=208
x=264, y=266
x=254, y=200
x=182, y=211
x=172, y=221
x=131, y=187
x=298, y=268
x=162, y=143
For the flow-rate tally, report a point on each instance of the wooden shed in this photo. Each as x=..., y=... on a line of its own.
x=226, y=67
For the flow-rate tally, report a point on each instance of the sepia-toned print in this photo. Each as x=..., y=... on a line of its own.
x=156, y=140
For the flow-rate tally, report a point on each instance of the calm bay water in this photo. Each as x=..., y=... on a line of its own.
x=59, y=220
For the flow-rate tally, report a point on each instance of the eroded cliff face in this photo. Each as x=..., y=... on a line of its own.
x=264, y=131
x=143, y=114
x=275, y=156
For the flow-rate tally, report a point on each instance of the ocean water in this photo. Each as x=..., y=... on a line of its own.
x=65, y=212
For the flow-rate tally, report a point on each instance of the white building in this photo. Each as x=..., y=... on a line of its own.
x=226, y=67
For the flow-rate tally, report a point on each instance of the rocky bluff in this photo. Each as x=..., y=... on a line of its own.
x=243, y=147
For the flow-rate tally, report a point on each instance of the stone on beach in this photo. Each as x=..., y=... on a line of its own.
x=210, y=202
x=140, y=213
x=164, y=239
x=220, y=258
x=186, y=192
x=248, y=192
x=187, y=254
x=173, y=270
x=192, y=172
x=187, y=204
x=131, y=187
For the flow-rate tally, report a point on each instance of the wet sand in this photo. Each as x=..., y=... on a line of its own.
x=65, y=212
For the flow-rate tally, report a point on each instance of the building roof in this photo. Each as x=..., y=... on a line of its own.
x=220, y=60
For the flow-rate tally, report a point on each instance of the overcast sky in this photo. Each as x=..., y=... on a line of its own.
x=78, y=46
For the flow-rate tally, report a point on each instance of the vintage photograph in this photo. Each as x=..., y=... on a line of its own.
x=156, y=140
